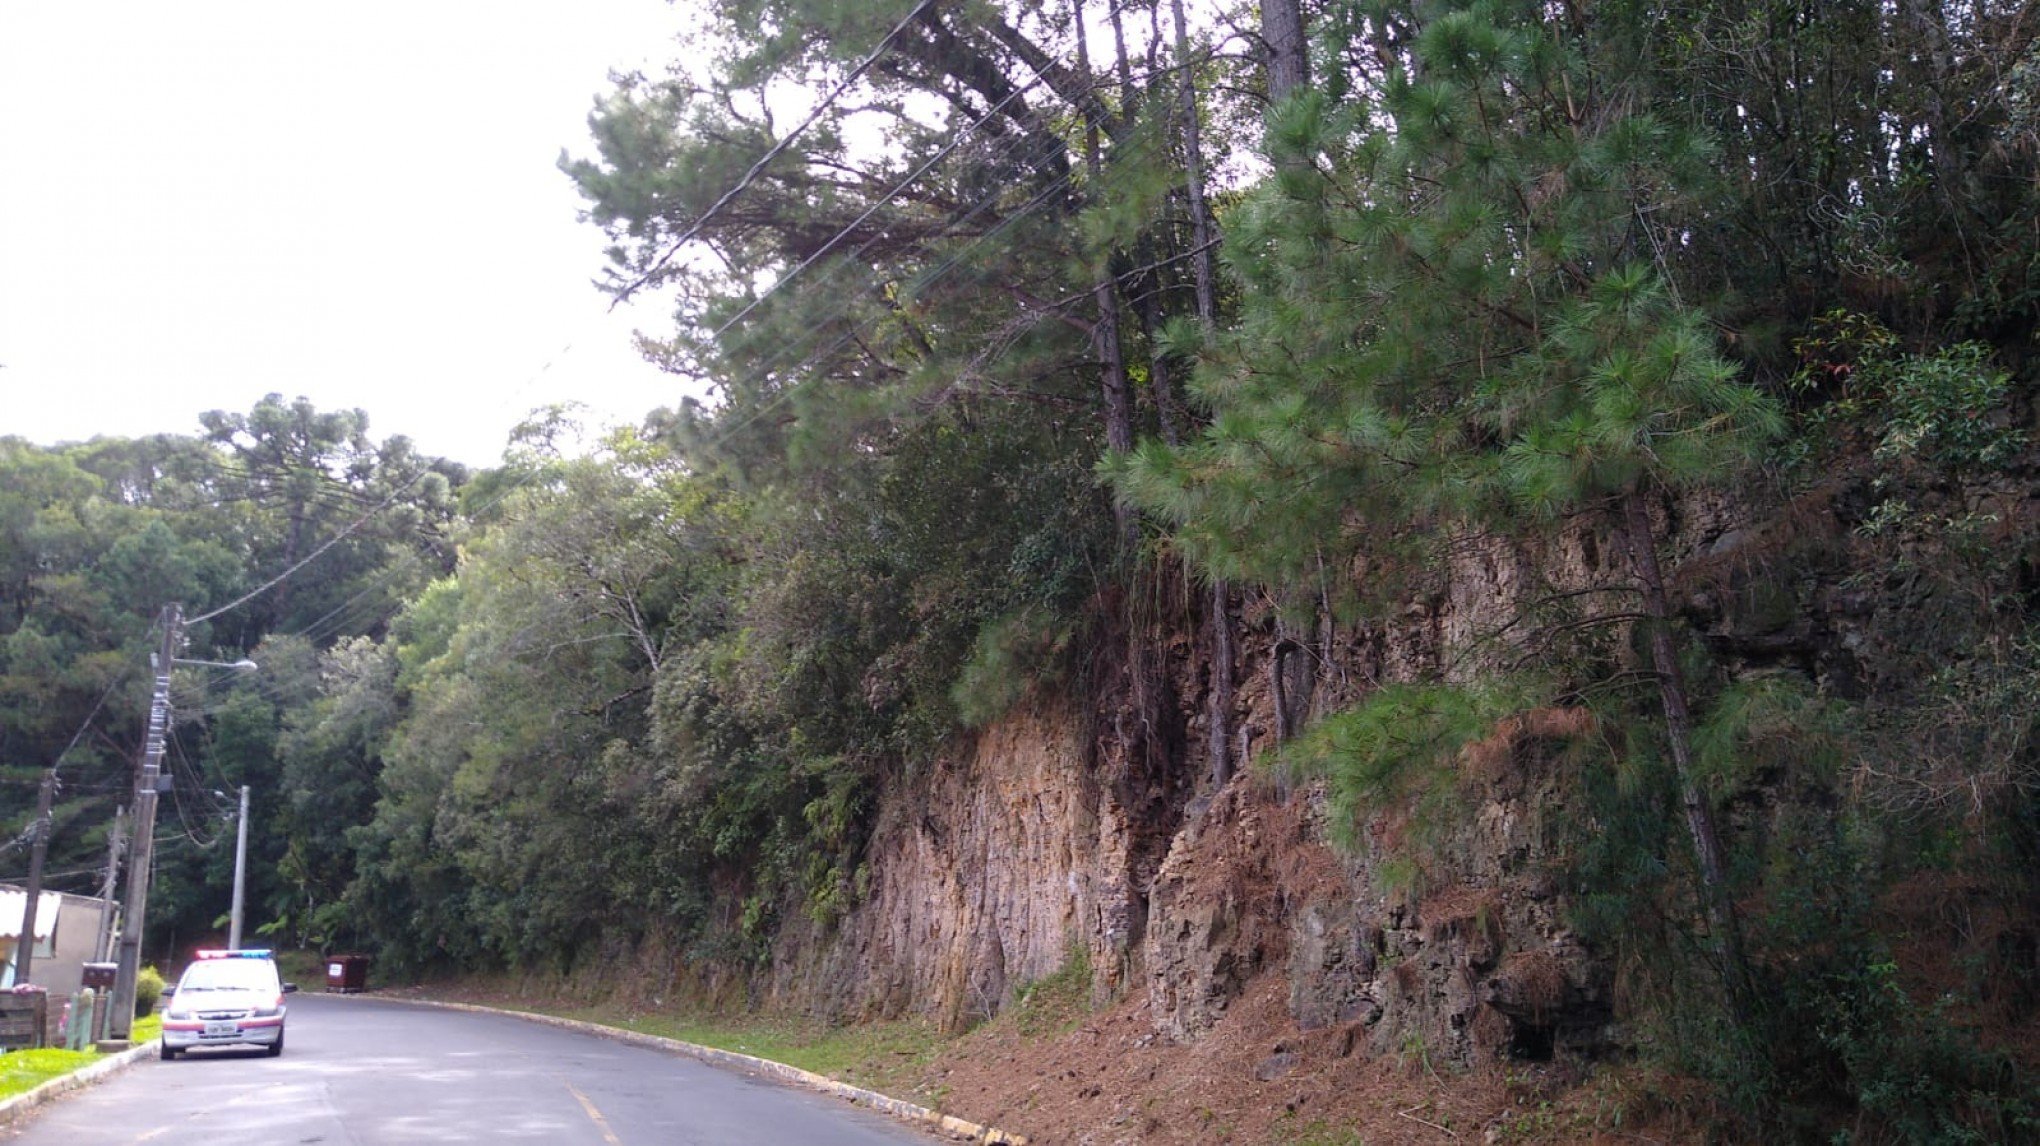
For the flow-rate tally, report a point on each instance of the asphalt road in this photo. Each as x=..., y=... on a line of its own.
x=361, y=1072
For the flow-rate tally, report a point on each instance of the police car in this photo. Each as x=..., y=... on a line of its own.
x=227, y=998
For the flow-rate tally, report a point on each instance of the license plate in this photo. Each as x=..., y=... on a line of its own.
x=221, y=1030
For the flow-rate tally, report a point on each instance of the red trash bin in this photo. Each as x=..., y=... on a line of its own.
x=346, y=973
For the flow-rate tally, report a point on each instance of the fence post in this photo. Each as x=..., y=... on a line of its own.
x=84, y=1016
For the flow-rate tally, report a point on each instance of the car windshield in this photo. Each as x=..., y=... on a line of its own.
x=229, y=975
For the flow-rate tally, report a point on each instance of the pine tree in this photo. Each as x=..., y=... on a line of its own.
x=1458, y=311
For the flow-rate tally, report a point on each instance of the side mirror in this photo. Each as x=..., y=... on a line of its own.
x=290, y=988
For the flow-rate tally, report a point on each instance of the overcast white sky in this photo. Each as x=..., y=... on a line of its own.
x=205, y=201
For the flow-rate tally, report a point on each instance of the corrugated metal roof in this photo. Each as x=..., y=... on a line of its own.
x=13, y=904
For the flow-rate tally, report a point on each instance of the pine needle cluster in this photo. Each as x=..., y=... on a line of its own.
x=1456, y=307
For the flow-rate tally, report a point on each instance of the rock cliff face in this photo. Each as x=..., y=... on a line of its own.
x=994, y=870
x=1060, y=833
x=1041, y=841
x=1470, y=960
x=1475, y=964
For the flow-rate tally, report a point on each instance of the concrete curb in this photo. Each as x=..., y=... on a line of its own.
x=78, y=1079
x=779, y=1071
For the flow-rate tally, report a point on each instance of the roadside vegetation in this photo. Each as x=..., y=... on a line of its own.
x=882, y=1056
x=23, y=1070
x=1151, y=352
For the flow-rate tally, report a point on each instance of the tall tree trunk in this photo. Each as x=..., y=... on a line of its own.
x=1202, y=233
x=293, y=541
x=1218, y=714
x=1288, y=61
x=1118, y=391
x=1699, y=814
x=1143, y=743
x=1105, y=339
x=1129, y=94
x=1161, y=370
x=944, y=53
x=1148, y=286
x=1288, y=52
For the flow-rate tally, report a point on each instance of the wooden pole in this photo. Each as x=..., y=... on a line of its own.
x=115, y=840
x=132, y=919
x=24, y=957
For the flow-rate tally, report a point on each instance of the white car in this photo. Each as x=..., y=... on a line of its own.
x=227, y=998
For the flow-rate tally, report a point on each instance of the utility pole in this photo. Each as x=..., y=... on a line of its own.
x=24, y=959
x=136, y=912
x=115, y=841
x=240, y=873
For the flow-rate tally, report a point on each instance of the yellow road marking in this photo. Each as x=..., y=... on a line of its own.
x=601, y=1123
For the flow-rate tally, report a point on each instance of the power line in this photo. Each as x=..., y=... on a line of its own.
x=888, y=197
x=119, y=679
x=920, y=281
x=196, y=785
x=315, y=554
x=50, y=875
x=772, y=153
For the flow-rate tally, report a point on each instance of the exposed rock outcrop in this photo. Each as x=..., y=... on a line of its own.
x=1079, y=827
x=996, y=869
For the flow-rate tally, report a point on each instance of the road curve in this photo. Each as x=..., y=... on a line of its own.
x=360, y=1072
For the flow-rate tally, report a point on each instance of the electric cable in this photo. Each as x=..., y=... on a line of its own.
x=921, y=281
x=888, y=197
x=786, y=354
x=314, y=555
x=54, y=875
x=119, y=678
x=196, y=785
x=772, y=153
x=344, y=614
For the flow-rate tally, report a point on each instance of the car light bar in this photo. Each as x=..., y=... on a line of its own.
x=240, y=953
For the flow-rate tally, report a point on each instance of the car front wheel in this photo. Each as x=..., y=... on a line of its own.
x=276, y=1048
x=168, y=1052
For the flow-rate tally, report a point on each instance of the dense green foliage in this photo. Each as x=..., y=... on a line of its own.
x=100, y=536
x=148, y=990
x=1505, y=277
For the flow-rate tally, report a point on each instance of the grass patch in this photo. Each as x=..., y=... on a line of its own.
x=1317, y=1132
x=24, y=1070
x=1055, y=1003
x=872, y=1055
x=889, y=1057
x=305, y=968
